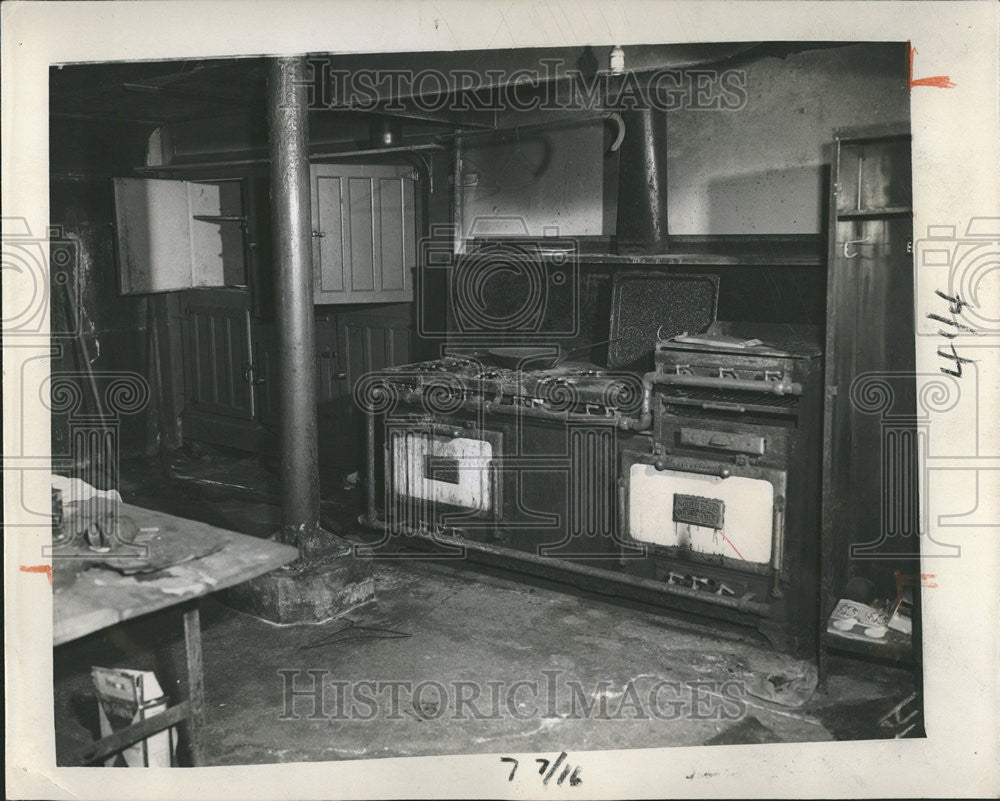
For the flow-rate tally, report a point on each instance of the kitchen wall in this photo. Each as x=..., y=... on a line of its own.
x=754, y=170
x=112, y=336
x=536, y=181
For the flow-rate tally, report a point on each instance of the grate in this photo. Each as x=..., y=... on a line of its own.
x=647, y=307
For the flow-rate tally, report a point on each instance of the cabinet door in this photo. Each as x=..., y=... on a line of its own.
x=364, y=236
x=363, y=341
x=176, y=235
x=219, y=368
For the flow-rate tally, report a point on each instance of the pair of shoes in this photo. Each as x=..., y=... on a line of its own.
x=858, y=621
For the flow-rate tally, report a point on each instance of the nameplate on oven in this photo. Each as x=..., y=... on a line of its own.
x=699, y=511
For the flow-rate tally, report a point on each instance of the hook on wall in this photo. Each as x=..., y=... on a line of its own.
x=847, y=252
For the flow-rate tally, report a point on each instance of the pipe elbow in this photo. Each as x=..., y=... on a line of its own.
x=645, y=418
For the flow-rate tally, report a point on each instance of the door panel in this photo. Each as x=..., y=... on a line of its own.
x=364, y=340
x=265, y=343
x=328, y=234
x=362, y=203
x=364, y=233
x=217, y=353
x=348, y=345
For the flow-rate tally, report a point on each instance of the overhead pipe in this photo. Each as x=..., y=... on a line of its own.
x=568, y=121
x=288, y=134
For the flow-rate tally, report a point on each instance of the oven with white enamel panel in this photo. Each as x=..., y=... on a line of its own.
x=443, y=474
x=709, y=517
x=694, y=486
x=726, y=499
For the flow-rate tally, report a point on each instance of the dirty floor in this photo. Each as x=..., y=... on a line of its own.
x=448, y=660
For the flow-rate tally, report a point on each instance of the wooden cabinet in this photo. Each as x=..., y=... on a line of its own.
x=211, y=238
x=349, y=343
x=871, y=526
x=176, y=235
x=367, y=340
x=220, y=376
x=364, y=236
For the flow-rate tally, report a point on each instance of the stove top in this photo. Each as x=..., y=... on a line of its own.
x=567, y=386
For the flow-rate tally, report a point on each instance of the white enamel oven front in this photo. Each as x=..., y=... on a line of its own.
x=704, y=511
x=442, y=474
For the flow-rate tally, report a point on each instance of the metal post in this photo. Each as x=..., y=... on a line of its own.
x=288, y=130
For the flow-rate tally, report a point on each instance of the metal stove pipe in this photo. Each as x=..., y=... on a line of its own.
x=642, y=183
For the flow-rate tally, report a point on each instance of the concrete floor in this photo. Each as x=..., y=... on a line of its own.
x=444, y=633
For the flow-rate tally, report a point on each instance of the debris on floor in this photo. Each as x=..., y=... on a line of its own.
x=450, y=660
x=749, y=730
x=792, y=687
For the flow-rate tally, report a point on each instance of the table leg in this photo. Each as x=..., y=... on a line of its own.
x=195, y=682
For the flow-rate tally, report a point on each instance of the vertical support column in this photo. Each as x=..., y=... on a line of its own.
x=288, y=131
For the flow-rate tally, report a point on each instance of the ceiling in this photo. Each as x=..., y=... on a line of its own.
x=159, y=92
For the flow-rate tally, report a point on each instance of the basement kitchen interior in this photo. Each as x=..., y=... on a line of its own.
x=483, y=402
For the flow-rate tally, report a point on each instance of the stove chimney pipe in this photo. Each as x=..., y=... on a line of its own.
x=642, y=183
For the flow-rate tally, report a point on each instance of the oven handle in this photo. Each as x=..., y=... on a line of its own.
x=782, y=387
x=690, y=466
x=778, y=545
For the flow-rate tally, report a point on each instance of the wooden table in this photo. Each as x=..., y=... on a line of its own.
x=101, y=597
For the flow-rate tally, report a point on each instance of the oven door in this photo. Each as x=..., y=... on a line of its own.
x=441, y=474
x=705, y=511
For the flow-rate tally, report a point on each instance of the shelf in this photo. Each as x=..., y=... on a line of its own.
x=255, y=161
x=862, y=214
x=219, y=218
x=894, y=648
x=683, y=250
x=703, y=259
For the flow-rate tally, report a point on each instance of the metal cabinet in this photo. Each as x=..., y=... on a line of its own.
x=871, y=526
x=364, y=235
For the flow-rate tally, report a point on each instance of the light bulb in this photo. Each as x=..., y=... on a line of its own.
x=617, y=60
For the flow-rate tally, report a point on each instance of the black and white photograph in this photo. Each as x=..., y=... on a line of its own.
x=598, y=399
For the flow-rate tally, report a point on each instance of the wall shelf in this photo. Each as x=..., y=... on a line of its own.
x=861, y=214
x=772, y=250
x=707, y=259
x=219, y=218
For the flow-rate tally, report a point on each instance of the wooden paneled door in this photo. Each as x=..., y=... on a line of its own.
x=349, y=343
x=219, y=372
x=363, y=341
x=364, y=233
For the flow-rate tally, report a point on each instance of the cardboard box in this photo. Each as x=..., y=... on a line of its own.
x=128, y=696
